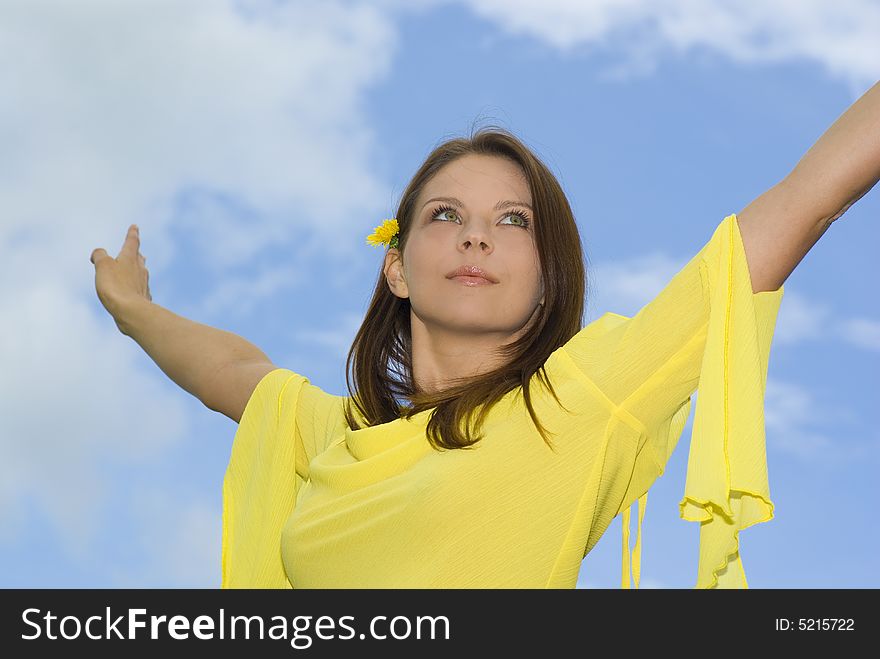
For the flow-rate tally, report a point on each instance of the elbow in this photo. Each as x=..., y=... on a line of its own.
x=825, y=203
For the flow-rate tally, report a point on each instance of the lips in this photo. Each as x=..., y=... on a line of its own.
x=472, y=274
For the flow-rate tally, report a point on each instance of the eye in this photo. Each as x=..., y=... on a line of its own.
x=440, y=210
x=525, y=222
x=524, y=218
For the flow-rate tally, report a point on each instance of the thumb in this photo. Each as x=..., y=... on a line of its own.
x=97, y=255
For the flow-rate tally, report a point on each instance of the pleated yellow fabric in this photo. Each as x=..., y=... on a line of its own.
x=632, y=566
x=727, y=488
x=259, y=488
x=310, y=503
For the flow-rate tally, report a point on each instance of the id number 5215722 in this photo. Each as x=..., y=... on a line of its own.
x=815, y=624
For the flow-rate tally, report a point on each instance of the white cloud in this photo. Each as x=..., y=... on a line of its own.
x=803, y=425
x=840, y=36
x=183, y=537
x=72, y=400
x=238, y=294
x=790, y=415
x=166, y=114
x=800, y=319
x=861, y=332
x=337, y=338
x=625, y=286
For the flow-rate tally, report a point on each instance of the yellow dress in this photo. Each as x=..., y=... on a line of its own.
x=309, y=503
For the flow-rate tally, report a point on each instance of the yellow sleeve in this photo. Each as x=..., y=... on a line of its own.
x=284, y=425
x=706, y=331
x=318, y=420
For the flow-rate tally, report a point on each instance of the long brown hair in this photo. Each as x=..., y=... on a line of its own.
x=380, y=359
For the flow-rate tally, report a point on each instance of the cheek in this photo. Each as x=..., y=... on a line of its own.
x=531, y=269
x=419, y=265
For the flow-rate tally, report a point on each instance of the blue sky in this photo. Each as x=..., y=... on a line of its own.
x=257, y=144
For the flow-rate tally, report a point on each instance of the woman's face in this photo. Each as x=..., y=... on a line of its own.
x=470, y=230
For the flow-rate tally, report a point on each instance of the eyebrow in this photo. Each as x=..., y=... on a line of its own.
x=501, y=205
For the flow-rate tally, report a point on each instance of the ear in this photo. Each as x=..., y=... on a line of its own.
x=393, y=270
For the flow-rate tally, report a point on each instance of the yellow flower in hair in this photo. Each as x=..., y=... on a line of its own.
x=384, y=234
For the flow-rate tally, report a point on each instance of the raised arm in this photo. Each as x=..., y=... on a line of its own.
x=781, y=225
x=218, y=367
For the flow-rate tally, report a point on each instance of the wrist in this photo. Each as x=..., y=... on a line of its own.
x=126, y=312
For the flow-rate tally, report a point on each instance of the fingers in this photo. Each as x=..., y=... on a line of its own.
x=130, y=247
x=97, y=255
x=132, y=241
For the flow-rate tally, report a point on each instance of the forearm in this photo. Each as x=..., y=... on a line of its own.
x=844, y=163
x=188, y=352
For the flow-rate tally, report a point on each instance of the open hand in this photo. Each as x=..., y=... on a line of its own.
x=124, y=279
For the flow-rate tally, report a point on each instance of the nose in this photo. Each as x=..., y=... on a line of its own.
x=475, y=234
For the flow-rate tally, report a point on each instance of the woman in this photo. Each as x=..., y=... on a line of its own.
x=488, y=439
